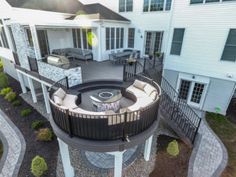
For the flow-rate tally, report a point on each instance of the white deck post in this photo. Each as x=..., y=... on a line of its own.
x=65, y=157
x=33, y=31
x=117, y=163
x=22, y=84
x=147, y=148
x=45, y=96
x=31, y=85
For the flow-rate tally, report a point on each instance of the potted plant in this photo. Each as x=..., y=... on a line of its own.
x=131, y=61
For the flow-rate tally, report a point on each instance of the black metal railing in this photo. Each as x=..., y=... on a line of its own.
x=94, y=126
x=182, y=118
x=153, y=63
x=175, y=111
x=62, y=83
x=130, y=70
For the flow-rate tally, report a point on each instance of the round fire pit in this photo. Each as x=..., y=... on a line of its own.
x=106, y=99
x=105, y=95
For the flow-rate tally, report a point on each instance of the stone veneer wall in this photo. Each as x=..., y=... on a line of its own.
x=55, y=73
x=23, y=50
x=52, y=72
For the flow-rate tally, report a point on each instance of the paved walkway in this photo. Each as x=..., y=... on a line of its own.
x=209, y=156
x=14, y=147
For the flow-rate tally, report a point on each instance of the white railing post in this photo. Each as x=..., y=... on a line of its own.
x=65, y=158
x=46, y=96
x=147, y=148
x=31, y=85
x=21, y=80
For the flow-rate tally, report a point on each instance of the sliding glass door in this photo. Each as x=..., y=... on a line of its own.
x=153, y=42
x=43, y=42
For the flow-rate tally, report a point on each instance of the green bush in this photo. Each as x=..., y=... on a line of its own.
x=1, y=66
x=37, y=124
x=44, y=134
x=3, y=80
x=38, y=166
x=5, y=91
x=25, y=112
x=16, y=103
x=10, y=96
x=173, y=148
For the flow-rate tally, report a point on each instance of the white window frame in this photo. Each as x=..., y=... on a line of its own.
x=115, y=37
x=125, y=6
x=194, y=79
x=164, y=7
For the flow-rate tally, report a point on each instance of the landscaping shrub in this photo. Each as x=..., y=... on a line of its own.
x=1, y=66
x=173, y=148
x=10, y=96
x=37, y=124
x=16, y=103
x=38, y=166
x=45, y=134
x=3, y=80
x=25, y=112
x=5, y=91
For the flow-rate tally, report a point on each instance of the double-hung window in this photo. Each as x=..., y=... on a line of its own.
x=125, y=5
x=3, y=38
x=29, y=37
x=114, y=38
x=131, y=36
x=229, y=53
x=156, y=5
x=177, y=41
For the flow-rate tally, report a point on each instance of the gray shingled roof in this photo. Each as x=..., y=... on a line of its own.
x=64, y=6
x=68, y=6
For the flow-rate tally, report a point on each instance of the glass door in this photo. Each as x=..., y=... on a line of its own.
x=153, y=42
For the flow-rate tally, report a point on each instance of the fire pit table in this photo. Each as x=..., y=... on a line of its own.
x=106, y=99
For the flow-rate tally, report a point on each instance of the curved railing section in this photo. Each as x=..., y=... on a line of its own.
x=107, y=127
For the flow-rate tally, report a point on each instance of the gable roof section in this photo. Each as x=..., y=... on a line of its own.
x=68, y=6
x=63, y=6
x=104, y=12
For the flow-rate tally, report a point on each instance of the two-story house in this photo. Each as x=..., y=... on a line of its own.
x=197, y=37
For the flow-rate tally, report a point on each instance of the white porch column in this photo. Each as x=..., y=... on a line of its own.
x=65, y=157
x=45, y=96
x=31, y=85
x=35, y=41
x=118, y=163
x=22, y=84
x=147, y=148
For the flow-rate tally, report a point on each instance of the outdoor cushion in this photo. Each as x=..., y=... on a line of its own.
x=58, y=100
x=139, y=84
x=69, y=101
x=137, y=92
x=60, y=93
x=123, y=110
x=153, y=95
x=148, y=89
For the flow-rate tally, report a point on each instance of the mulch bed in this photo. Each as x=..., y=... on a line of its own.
x=48, y=150
x=169, y=166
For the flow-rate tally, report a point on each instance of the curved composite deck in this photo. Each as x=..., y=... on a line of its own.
x=110, y=132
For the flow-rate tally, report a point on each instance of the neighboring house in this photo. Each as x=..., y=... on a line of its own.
x=198, y=38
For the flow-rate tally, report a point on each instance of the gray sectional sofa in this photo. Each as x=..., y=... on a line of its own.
x=83, y=54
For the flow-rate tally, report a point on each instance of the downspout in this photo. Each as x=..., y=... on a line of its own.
x=169, y=31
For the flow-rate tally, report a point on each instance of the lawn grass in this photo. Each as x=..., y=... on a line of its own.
x=226, y=131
